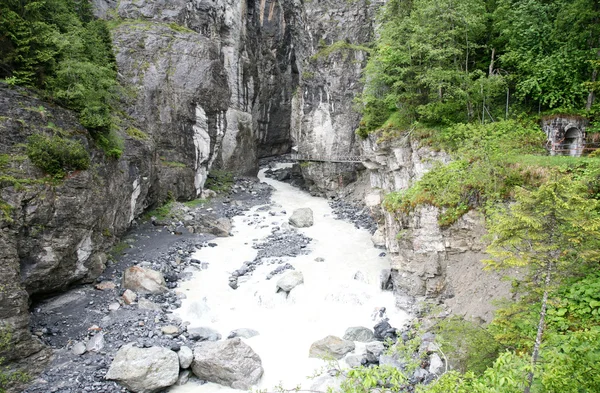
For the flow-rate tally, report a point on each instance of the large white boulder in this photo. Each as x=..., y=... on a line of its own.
x=144, y=370
x=142, y=280
x=289, y=281
x=302, y=218
x=359, y=333
x=330, y=347
x=231, y=363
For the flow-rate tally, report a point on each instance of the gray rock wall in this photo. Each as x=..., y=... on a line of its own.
x=333, y=54
x=430, y=262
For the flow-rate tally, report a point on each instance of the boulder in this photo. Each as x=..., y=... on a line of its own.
x=385, y=279
x=384, y=331
x=355, y=360
x=145, y=304
x=436, y=364
x=392, y=360
x=290, y=280
x=359, y=333
x=78, y=349
x=378, y=239
x=144, y=370
x=330, y=346
x=231, y=363
x=96, y=343
x=243, y=332
x=220, y=227
x=142, y=280
x=129, y=296
x=203, y=334
x=184, y=377
x=170, y=330
x=374, y=350
x=302, y=218
x=360, y=276
x=186, y=356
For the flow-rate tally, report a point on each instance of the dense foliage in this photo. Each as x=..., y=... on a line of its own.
x=55, y=155
x=58, y=47
x=472, y=77
x=448, y=61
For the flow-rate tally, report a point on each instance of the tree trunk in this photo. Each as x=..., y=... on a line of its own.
x=591, y=95
x=540, y=329
x=491, y=70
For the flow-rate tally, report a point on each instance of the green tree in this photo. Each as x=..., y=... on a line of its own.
x=425, y=65
x=547, y=47
x=553, y=231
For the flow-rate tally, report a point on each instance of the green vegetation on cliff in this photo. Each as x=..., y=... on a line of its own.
x=445, y=62
x=474, y=78
x=59, y=48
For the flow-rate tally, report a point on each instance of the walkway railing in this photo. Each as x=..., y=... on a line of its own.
x=575, y=150
x=308, y=157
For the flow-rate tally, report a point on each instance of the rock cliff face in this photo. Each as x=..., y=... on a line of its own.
x=55, y=233
x=430, y=262
x=334, y=52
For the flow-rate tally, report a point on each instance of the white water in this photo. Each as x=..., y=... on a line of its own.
x=328, y=302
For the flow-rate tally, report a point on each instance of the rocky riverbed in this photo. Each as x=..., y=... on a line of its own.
x=88, y=324
x=256, y=267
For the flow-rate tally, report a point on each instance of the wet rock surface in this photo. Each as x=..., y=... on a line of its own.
x=355, y=213
x=231, y=363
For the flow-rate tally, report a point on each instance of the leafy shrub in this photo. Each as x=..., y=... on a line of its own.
x=137, y=134
x=219, y=181
x=469, y=346
x=110, y=142
x=479, y=173
x=56, y=154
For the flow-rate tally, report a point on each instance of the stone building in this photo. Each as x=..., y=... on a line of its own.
x=566, y=134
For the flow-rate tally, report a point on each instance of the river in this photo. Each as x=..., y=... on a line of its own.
x=329, y=301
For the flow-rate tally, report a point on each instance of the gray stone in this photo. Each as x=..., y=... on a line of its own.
x=186, y=356
x=114, y=306
x=144, y=370
x=374, y=350
x=290, y=280
x=145, y=304
x=384, y=279
x=354, y=360
x=359, y=333
x=378, y=239
x=184, y=377
x=78, y=349
x=170, y=330
x=129, y=297
x=142, y=280
x=420, y=374
x=330, y=347
x=243, y=332
x=436, y=365
x=302, y=218
x=96, y=343
x=391, y=360
x=231, y=363
x=204, y=334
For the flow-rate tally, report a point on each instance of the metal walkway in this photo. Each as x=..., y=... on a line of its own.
x=306, y=157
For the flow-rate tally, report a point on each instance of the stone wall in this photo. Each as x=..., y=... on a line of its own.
x=429, y=262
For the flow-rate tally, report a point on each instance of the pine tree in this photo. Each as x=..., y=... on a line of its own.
x=553, y=231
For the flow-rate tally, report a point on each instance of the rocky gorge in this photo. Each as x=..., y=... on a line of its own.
x=212, y=85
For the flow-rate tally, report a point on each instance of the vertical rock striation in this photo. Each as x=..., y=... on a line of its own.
x=429, y=261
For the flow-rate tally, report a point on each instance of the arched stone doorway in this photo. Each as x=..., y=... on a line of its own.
x=573, y=142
